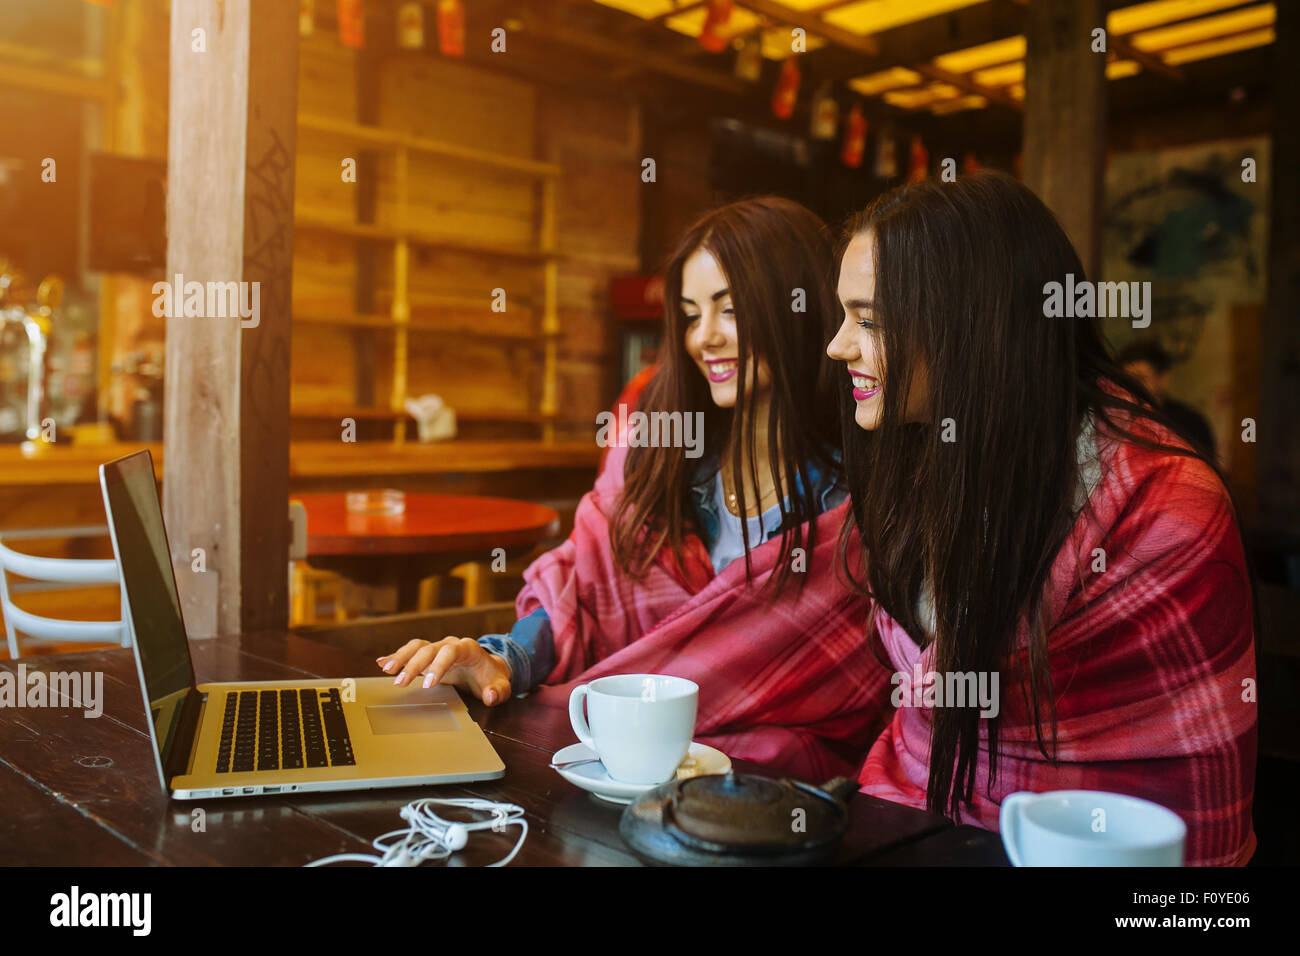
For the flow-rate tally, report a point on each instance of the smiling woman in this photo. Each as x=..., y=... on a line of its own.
x=1025, y=510
x=652, y=578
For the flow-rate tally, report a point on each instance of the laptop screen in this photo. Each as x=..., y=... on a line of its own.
x=153, y=605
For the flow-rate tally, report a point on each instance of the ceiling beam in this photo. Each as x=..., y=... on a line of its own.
x=865, y=45
x=963, y=82
x=1148, y=61
x=684, y=8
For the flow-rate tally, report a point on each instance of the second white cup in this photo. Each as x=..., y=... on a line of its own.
x=1089, y=828
x=640, y=725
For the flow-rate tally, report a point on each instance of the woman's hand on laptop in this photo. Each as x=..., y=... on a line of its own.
x=458, y=661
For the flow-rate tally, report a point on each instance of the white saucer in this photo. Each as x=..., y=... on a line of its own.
x=592, y=777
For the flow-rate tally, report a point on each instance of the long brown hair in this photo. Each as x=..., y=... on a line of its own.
x=960, y=271
x=778, y=259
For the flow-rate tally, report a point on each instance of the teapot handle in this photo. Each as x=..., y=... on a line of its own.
x=841, y=788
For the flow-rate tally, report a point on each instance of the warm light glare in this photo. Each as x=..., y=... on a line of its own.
x=1001, y=75
x=1117, y=69
x=1210, y=28
x=958, y=105
x=801, y=5
x=1203, y=51
x=986, y=54
x=692, y=22
x=778, y=43
x=872, y=16
x=1143, y=16
x=645, y=9
x=893, y=79
x=915, y=99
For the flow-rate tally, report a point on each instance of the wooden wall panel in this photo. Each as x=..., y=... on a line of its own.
x=452, y=102
x=452, y=198
x=326, y=77
x=484, y=376
x=597, y=143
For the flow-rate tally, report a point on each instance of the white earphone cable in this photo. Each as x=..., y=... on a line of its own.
x=430, y=837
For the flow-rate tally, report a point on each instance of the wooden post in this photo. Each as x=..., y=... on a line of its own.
x=401, y=309
x=1278, y=419
x=1065, y=118
x=230, y=172
x=547, y=234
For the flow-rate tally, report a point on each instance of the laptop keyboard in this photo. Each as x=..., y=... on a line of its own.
x=283, y=730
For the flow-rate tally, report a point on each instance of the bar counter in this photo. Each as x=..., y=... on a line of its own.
x=531, y=470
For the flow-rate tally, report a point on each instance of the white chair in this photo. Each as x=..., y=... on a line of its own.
x=68, y=571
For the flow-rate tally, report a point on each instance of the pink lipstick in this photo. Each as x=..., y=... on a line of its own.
x=864, y=386
x=721, y=369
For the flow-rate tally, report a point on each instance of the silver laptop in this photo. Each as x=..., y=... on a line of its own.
x=259, y=737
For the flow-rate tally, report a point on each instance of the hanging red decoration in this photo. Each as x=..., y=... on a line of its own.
x=786, y=93
x=451, y=28
x=970, y=165
x=918, y=161
x=713, y=37
x=352, y=23
x=855, y=138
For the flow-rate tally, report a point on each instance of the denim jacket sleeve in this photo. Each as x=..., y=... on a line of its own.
x=529, y=649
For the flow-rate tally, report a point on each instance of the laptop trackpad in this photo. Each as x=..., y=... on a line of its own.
x=411, y=718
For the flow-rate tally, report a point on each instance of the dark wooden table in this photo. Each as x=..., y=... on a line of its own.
x=433, y=534
x=84, y=791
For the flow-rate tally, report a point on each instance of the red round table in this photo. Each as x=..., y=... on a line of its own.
x=432, y=535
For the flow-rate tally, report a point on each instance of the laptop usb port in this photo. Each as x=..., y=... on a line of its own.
x=250, y=790
x=270, y=789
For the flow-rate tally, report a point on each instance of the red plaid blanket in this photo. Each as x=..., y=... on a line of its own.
x=793, y=684
x=1152, y=661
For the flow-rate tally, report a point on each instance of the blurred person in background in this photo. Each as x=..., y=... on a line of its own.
x=1149, y=363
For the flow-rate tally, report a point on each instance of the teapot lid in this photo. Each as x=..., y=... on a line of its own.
x=743, y=813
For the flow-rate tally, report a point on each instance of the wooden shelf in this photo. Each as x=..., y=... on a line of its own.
x=333, y=413
x=70, y=466
x=395, y=139
x=420, y=302
x=341, y=411
x=542, y=330
x=460, y=303
x=524, y=338
x=377, y=232
x=60, y=82
x=356, y=320
x=426, y=326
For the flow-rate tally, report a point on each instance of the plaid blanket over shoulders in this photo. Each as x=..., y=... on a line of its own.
x=792, y=684
x=1152, y=662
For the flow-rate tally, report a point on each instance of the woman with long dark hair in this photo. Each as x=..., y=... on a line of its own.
x=714, y=562
x=1032, y=527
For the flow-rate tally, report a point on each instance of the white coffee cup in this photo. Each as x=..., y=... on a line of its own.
x=640, y=725
x=1089, y=828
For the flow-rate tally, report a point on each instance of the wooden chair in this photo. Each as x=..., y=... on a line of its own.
x=308, y=585
x=69, y=571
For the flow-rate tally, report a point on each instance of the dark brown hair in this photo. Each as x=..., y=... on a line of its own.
x=778, y=259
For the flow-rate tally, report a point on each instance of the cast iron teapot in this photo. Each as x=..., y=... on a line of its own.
x=738, y=819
